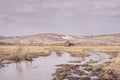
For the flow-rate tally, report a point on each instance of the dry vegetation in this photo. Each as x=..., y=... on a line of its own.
x=108, y=71
x=113, y=67
x=26, y=52
x=18, y=53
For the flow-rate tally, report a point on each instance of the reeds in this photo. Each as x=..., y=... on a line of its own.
x=114, y=67
x=18, y=53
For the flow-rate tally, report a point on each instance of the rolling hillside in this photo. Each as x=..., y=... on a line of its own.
x=58, y=39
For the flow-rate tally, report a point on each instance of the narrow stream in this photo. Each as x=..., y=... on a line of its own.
x=42, y=68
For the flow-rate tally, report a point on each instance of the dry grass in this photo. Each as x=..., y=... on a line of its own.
x=19, y=53
x=79, y=50
x=114, y=67
x=8, y=52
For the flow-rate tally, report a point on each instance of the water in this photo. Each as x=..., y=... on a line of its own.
x=42, y=68
x=96, y=58
x=39, y=69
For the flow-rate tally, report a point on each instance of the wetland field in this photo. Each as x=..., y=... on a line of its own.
x=60, y=63
x=59, y=39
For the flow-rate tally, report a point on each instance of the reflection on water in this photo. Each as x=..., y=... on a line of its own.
x=40, y=68
x=23, y=66
x=19, y=67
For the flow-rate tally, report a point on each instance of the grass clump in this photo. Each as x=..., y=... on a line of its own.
x=114, y=67
x=19, y=55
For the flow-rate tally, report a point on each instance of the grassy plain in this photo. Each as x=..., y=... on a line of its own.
x=8, y=52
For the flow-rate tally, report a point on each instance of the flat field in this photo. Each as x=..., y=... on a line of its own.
x=7, y=52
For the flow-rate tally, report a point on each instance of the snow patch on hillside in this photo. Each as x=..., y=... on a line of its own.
x=67, y=37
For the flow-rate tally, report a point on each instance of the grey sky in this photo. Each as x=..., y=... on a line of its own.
x=81, y=17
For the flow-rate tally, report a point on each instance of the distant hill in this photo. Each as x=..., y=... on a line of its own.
x=58, y=39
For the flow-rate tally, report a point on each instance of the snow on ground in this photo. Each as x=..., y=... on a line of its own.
x=67, y=37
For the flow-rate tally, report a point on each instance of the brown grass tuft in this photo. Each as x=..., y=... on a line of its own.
x=114, y=67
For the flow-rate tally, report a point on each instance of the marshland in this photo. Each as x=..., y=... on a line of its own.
x=60, y=62
x=59, y=39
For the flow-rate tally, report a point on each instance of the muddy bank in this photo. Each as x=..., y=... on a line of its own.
x=86, y=68
x=86, y=72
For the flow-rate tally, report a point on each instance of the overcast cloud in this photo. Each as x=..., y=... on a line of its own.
x=81, y=17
